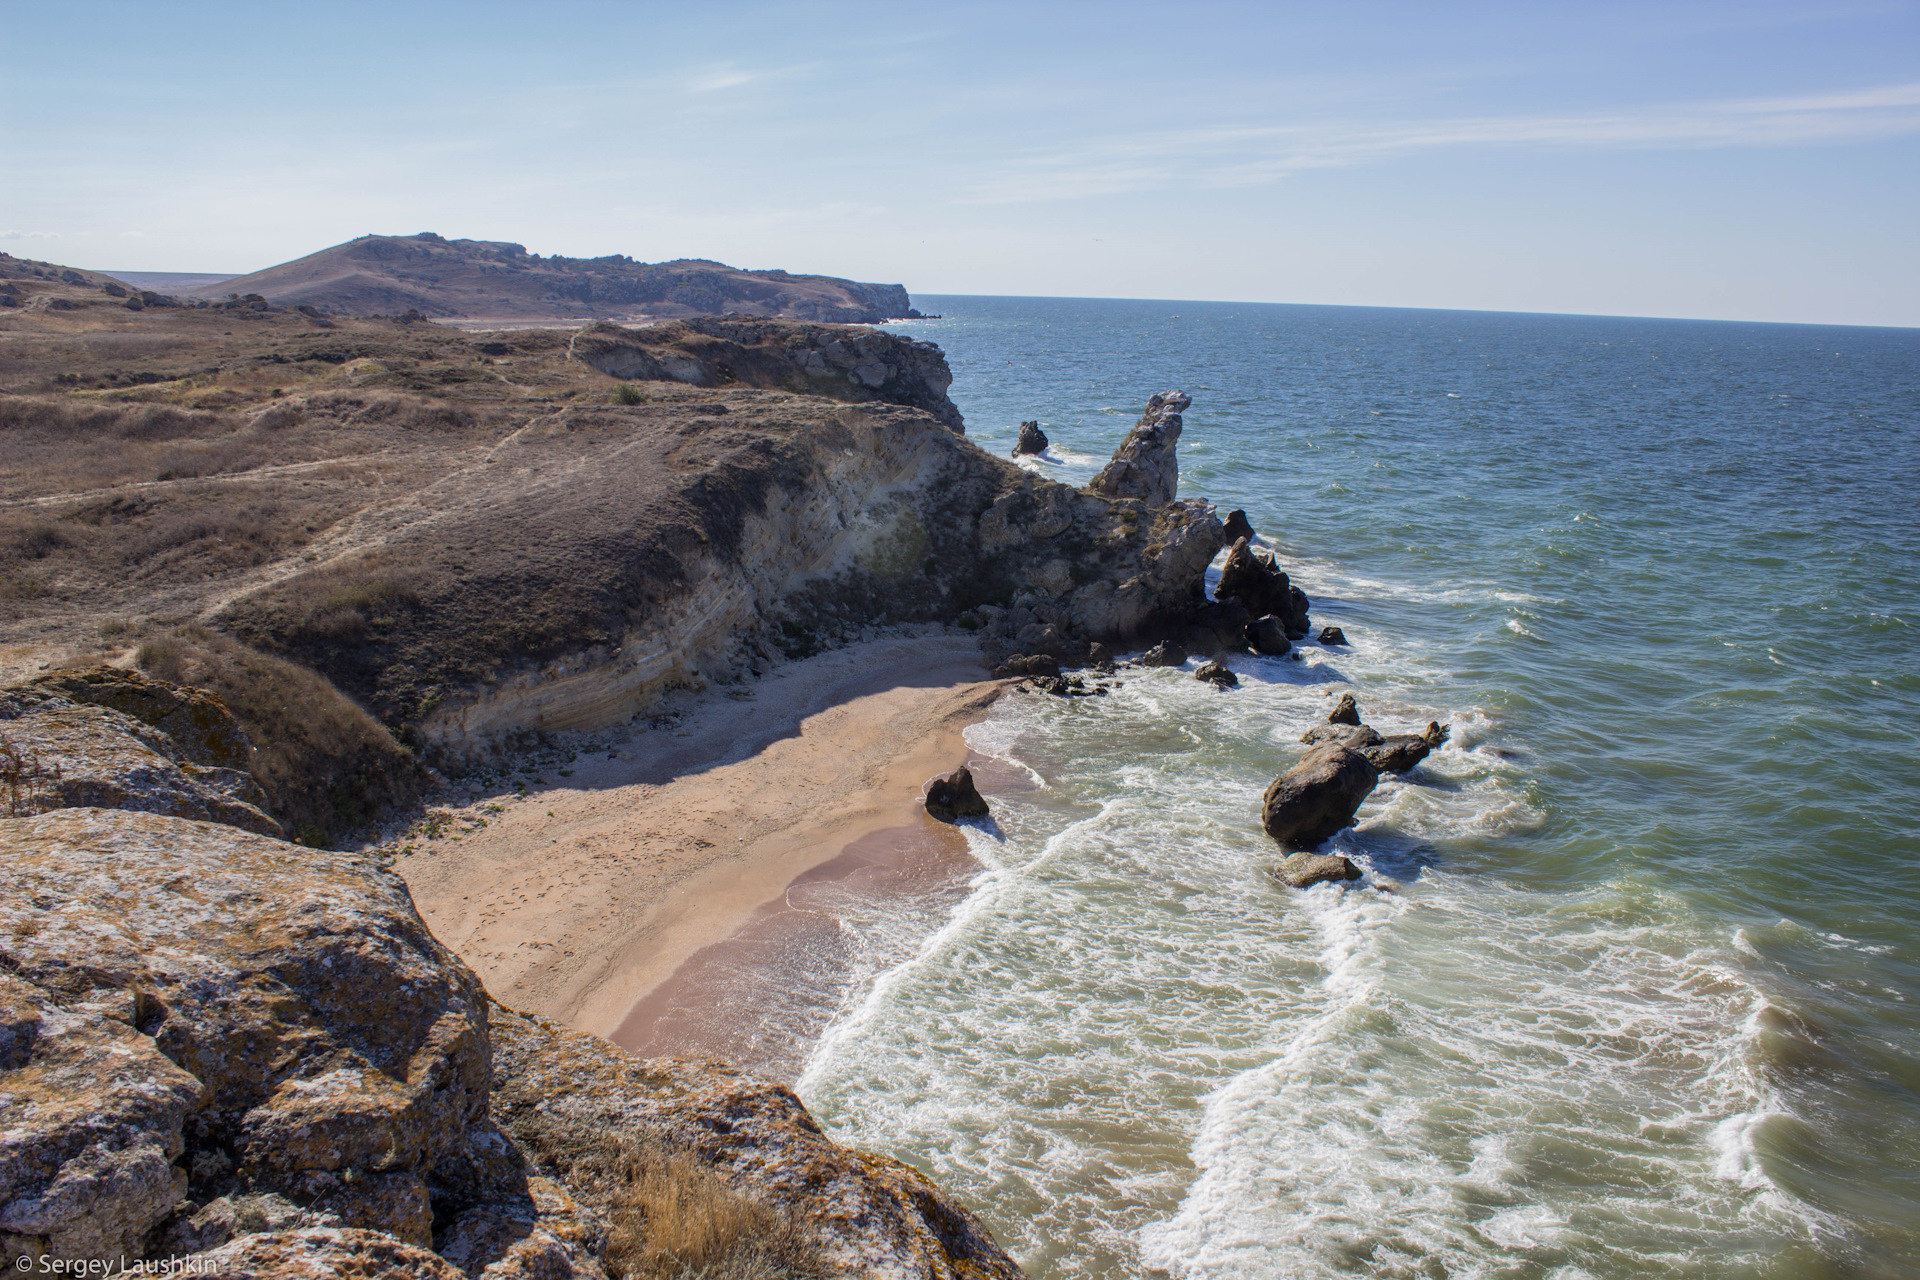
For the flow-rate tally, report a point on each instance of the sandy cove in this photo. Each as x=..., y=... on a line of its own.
x=579, y=900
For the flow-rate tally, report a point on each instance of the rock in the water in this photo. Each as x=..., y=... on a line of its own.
x=1252, y=578
x=1167, y=654
x=1144, y=466
x=1345, y=711
x=1354, y=737
x=1268, y=635
x=1318, y=796
x=1399, y=752
x=1099, y=658
x=1332, y=635
x=1304, y=870
x=1238, y=527
x=1032, y=440
x=1217, y=675
x=954, y=797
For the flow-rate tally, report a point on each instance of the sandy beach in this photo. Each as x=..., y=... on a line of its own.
x=585, y=897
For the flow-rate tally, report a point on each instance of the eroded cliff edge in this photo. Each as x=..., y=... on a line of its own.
x=215, y=1042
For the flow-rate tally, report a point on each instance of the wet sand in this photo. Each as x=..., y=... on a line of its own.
x=586, y=900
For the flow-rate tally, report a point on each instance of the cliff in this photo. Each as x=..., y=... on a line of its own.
x=503, y=283
x=213, y=1041
x=378, y=541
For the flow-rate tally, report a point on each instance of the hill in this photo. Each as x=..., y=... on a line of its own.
x=492, y=281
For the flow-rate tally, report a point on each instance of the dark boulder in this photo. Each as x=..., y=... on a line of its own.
x=1318, y=796
x=1346, y=711
x=1099, y=659
x=1268, y=635
x=1304, y=870
x=1353, y=737
x=1219, y=626
x=1399, y=752
x=1032, y=440
x=1168, y=654
x=1217, y=675
x=1020, y=664
x=1332, y=635
x=1238, y=527
x=1252, y=578
x=954, y=797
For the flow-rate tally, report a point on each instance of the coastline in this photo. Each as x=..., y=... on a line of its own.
x=580, y=900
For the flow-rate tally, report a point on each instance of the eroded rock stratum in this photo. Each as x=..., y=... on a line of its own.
x=214, y=1041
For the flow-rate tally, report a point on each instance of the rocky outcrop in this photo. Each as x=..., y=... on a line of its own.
x=1332, y=636
x=1268, y=635
x=1032, y=440
x=1304, y=870
x=1345, y=711
x=1389, y=753
x=1164, y=654
x=1238, y=527
x=954, y=797
x=112, y=739
x=1318, y=796
x=1216, y=674
x=575, y=1101
x=1252, y=579
x=217, y=1043
x=840, y=362
x=1145, y=466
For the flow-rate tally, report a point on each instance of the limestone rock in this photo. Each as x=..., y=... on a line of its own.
x=1304, y=870
x=1238, y=527
x=1165, y=654
x=335, y=1049
x=1332, y=635
x=1032, y=440
x=116, y=740
x=954, y=797
x=1318, y=796
x=323, y=1254
x=1144, y=466
x=1345, y=711
x=1267, y=634
x=1217, y=675
x=568, y=1096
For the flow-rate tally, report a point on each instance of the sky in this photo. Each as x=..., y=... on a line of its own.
x=1753, y=160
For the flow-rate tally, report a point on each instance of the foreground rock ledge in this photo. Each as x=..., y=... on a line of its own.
x=215, y=1042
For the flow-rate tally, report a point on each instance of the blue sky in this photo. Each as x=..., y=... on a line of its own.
x=1749, y=160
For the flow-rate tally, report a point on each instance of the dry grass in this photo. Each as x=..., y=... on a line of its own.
x=327, y=766
x=674, y=1218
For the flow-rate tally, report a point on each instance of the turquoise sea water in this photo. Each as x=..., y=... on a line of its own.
x=1632, y=987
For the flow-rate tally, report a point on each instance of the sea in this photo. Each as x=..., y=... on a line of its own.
x=1631, y=984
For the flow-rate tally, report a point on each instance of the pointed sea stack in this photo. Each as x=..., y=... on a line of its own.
x=1144, y=466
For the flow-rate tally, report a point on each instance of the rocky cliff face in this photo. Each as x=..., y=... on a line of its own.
x=212, y=1040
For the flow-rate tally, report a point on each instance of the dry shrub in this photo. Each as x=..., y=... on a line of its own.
x=673, y=1217
x=396, y=410
x=27, y=784
x=327, y=766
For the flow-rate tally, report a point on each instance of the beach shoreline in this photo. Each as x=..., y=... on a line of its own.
x=581, y=898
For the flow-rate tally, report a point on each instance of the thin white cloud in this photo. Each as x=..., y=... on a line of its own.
x=29, y=235
x=721, y=78
x=1229, y=156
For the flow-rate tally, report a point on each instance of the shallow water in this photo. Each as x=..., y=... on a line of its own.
x=1630, y=988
